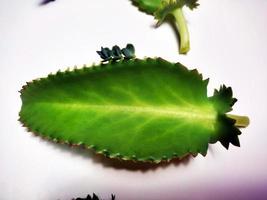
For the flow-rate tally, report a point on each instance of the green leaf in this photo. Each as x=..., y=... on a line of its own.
x=151, y=6
x=148, y=6
x=223, y=99
x=145, y=110
x=160, y=9
x=192, y=4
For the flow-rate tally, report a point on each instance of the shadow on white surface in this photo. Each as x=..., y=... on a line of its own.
x=117, y=163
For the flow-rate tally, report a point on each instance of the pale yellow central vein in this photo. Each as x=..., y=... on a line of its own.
x=202, y=113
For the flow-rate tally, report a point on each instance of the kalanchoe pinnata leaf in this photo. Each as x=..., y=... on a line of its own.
x=160, y=9
x=142, y=110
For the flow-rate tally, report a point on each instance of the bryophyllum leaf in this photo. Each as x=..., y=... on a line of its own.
x=145, y=110
x=152, y=6
x=160, y=9
x=169, y=6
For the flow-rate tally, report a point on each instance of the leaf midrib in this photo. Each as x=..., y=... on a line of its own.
x=189, y=112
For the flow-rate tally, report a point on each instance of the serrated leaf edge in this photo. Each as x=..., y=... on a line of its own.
x=105, y=152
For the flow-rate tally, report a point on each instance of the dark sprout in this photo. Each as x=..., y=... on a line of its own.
x=116, y=53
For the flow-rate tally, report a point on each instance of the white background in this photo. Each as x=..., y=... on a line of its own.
x=229, y=45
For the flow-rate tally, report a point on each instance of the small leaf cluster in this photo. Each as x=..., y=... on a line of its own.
x=192, y=4
x=94, y=197
x=116, y=53
x=167, y=6
x=223, y=99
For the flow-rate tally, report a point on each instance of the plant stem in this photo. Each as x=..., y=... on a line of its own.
x=241, y=121
x=181, y=26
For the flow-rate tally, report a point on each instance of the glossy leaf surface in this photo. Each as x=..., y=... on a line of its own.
x=132, y=109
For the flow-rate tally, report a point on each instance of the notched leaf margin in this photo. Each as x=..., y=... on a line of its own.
x=223, y=94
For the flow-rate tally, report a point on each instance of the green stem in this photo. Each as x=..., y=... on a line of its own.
x=241, y=121
x=181, y=26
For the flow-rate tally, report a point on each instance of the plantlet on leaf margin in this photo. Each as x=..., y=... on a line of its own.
x=133, y=109
x=116, y=53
